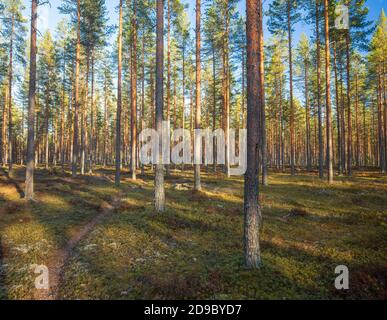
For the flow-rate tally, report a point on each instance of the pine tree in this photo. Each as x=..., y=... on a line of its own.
x=29, y=188
x=283, y=16
x=159, y=176
x=252, y=209
x=13, y=33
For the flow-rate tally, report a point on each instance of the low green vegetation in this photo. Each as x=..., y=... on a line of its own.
x=195, y=249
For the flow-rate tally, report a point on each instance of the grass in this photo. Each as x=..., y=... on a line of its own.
x=195, y=250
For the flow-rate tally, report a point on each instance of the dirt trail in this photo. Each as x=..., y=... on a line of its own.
x=58, y=262
x=60, y=258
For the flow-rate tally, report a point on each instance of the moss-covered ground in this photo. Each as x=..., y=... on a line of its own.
x=195, y=249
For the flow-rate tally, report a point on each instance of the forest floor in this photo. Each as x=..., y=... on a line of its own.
x=105, y=242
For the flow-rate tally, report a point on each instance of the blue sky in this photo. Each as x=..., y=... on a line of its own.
x=49, y=15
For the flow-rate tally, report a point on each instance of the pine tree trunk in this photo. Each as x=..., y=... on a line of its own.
x=320, y=129
x=143, y=92
x=4, y=130
x=133, y=121
x=167, y=166
x=380, y=125
x=198, y=94
x=252, y=210
x=76, y=105
x=292, y=111
x=328, y=95
x=119, y=100
x=308, y=129
x=159, y=176
x=349, y=112
x=263, y=100
x=92, y=129
x=10, y=80
x=357, y=126
x=29, y=187
x=339, y=151
x=214, y=100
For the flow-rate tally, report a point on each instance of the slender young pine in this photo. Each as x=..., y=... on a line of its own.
x=328, y=95
x=119, y=101
x=76, y=106
x=133, y=119
x=198, y=186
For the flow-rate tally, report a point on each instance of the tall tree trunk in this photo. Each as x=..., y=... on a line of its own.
x=143, y=90
x=133, y=88
x=167, y=166
x=339, y=151
x=328, y=95
x=214, y=99
x=357, y=125
x=119, y=101
x=292, y=111
x=243, y=87
x=263, y=99
x=198, y=94
x=381, y=134
x=76, y=105
x=63, y=108
x=252, y=210
x=10, y=80
x=106, y=119
x=349, y=112
x=29, y=187
x=84, y=117
x=159, y=176
x=320, y=129
x=308, y=129
x=92, y=128
x=4, y=130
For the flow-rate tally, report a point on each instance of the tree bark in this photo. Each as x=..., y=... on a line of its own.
x=159, y=176
x=263, y=99
x=76, y=105
x=119, y=100
x=292, y=111
x=328, y=95
x=349, y=112
x=320, y=133
x=252, y=210
x=10, y=80
x=133, y=89
x=198, y=186
x=29, y=187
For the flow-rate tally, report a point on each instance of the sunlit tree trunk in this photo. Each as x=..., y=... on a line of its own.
x=252, y=210
x=10, y=80
x=320, y=129
x=119, y=101
x=263, y=102
x=349, y=111
x=339, y=151
x=308, y=128
x=292, y=111
x=76, y=104
x=159, y=176
x=328, y=95
x=133, y=89
x=198, y=92
x=29, y=187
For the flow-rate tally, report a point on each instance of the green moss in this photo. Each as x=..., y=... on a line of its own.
x=195, y=250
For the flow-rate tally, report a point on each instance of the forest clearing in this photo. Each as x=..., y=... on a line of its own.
x=193, y=150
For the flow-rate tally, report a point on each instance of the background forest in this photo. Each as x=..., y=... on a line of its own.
x=80, y=79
